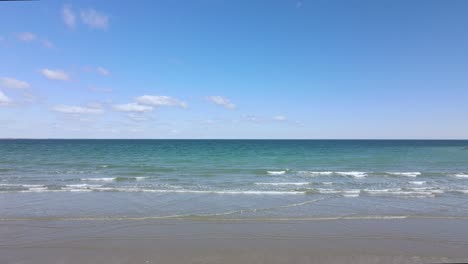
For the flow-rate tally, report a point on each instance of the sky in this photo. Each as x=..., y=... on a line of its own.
x=234, y=69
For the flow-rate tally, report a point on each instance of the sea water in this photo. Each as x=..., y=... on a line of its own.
x=233, y=179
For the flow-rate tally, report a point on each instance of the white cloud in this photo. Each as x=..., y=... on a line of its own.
x=159, y=100
x=13, y=83
x=94, y=19
x=69, y=17
x=4, y=100
x=132, y=107
x=57, y=75
x=280, y=118
x=147, y=103
x=27, y=36
x=219, y=100
x=71, y=109
x=103, y=71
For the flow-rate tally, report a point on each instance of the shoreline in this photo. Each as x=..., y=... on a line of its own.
x=210, y=219
x=189, y=241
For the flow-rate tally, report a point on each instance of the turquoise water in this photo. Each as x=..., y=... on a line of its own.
x=232, y=178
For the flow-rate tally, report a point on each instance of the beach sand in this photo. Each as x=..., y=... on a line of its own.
x=188, y=241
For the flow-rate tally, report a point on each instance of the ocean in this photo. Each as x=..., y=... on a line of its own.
x=233, y=179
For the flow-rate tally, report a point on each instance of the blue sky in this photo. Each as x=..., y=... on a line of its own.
x=234, y=69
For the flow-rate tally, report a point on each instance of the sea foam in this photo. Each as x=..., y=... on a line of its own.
x=404, y=193
x=406, y=174
x=99, y=179
x=282, y=183
x=417, y=182
x=316, y=173
x=276, y=172
x=355, y=174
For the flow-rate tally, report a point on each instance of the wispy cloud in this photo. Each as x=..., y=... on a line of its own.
x=159, y=100
x=103, y=71
x=31, y=37
x=219, y=100
x=132, y=107
x=28, y=97
x=69, y=17
x=57, y=75
x=147, y=103
x=27, y=36
x=253, y=118
x=280, y=118
x=46, y=43
x=89, y=17
x=12, y=83
x=72, y=109
x=263, y=119
x=138, y=117
x=4, y=100
x=94, y=19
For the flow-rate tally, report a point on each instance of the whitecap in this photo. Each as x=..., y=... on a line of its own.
x=355, y=174
x=352, y=191
x=83, y=185
x=232, y=192
x=282, y=183
x=327, y=191
x=258, y=192
x=382, y=190
x=431, y=190
x=414, y=193
x=351, y=195
x=461, y=175
x=276, y=172
x=37, y=189
x=33, y=185
x=227, y=192
x=99, y=179
x=316, y=173
x=406, y=174
x=77, y=190
x=417, y=182
x=421, y=188
x=402, y=193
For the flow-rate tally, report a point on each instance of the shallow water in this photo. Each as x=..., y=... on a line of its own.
x=233, y=179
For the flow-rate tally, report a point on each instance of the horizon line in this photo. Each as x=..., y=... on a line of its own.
x=20, y=138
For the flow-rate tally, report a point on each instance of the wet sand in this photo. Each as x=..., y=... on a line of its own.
x=188, y=241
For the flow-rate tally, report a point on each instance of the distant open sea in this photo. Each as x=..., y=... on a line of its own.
x=233, y=179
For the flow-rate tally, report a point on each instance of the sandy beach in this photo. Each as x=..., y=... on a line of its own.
x=187, y=241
